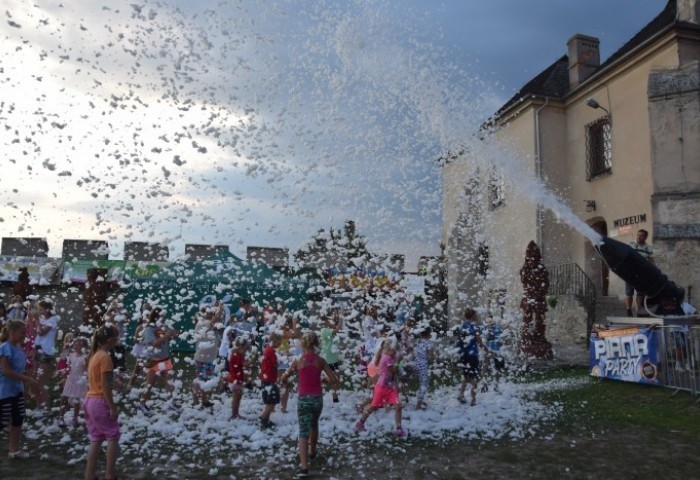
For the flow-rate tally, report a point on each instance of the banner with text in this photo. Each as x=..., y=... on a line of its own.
x=629, y=354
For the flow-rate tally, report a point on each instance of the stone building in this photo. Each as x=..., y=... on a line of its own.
x=612, y=145
x=24, y=247
x=277, y=258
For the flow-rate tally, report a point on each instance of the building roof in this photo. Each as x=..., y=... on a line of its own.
x=662, y=20
x=553, y=81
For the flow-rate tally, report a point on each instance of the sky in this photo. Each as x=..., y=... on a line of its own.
x=258, y=122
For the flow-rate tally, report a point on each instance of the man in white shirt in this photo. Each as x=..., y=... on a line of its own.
x=644, y=249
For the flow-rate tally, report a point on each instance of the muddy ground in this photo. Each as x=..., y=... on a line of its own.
x=605, y=430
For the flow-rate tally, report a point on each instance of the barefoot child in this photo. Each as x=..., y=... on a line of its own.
x=12, y=379
x=99, y=407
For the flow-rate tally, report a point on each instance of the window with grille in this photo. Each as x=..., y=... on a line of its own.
x=482, y=257
x=496, y=190
x=598, y=148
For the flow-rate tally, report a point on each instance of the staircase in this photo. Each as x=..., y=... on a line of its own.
x=609, y=307
x=570, y=279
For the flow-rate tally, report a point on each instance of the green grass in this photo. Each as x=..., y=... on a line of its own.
x=623, y=404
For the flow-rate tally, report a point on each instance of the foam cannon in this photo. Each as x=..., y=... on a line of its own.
x=644, y=276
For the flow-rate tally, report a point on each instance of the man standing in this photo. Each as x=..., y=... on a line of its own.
x=644, y=249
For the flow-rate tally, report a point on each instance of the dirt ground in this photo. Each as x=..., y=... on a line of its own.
x=592, y=453
x=605, y=430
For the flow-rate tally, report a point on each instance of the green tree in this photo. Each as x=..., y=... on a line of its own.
x=334, y=248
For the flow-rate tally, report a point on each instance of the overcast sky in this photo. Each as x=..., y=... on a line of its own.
x=257, y=123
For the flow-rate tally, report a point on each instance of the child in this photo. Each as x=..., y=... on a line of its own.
x=495, y=361
x=207, y=349
x=236, y=374
x=138, y=351
x=386, y=391
x=12, y=379
x=45, y=350
x=158, y=364
x=468, y=346
x=268, y=377
x=423, y=352
x=62, y=367
x=329, y=348
x=287, y=348
x=368, y=363
x=76, y=381
x=309, y=366
x=99, y=407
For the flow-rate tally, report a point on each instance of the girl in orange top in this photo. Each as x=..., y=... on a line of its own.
x=99, y=407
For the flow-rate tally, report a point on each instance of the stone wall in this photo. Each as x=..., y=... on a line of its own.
x=674, y=116
x=566, y=323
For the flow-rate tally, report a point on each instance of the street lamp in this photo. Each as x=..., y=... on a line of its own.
x=591, y=102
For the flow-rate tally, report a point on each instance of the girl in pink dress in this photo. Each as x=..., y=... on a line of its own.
x=76, y=382
x=386, y=390
x=62, y=367
x=32, y=322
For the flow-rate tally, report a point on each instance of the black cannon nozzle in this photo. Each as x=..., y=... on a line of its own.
x=644, y=276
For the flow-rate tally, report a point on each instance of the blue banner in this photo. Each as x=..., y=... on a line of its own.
x=629, y=354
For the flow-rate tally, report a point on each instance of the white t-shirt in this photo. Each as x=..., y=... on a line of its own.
x=47, y=342
x=225, y=345
x=369, y=325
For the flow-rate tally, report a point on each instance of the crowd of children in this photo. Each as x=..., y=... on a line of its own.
x=229, y=350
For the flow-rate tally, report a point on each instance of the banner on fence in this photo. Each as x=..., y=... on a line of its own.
x=629, y=354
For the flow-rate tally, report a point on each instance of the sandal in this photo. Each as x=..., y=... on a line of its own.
x=19, y=454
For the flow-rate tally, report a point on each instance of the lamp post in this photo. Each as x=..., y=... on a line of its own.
x=591, y=102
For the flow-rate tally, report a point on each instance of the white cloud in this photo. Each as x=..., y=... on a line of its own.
x=239, y=124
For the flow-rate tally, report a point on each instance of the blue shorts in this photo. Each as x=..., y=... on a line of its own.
x=205, y=371
x=629, y=290
x=471, y=368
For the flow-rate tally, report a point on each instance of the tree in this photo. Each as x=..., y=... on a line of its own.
x=334, y=249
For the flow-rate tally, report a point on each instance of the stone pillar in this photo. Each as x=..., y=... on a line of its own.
x=674, y=121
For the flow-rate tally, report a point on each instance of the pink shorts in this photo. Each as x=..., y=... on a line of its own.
x=384, y=396
x=99, y=426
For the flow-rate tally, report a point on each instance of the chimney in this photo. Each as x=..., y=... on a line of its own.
x=688, y=11
x=584, y=58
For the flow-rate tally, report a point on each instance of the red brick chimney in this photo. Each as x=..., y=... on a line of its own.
x=584, y=58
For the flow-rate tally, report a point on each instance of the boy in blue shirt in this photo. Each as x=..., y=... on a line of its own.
x=468, y=346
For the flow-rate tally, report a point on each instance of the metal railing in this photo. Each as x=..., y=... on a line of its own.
x=679, y=357
x=570, y=279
